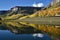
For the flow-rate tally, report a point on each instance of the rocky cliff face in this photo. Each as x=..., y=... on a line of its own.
x=23, y=10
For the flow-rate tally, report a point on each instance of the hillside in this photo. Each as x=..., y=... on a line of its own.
x=52, y=11
x=19, y=11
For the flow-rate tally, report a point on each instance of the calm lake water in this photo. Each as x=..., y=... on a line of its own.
x=7, y=35
x=28, y=31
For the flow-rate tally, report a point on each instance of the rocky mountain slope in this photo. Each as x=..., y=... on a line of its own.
x=20, y=11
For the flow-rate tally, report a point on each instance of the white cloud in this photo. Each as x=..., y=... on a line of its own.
x=34, y=5
x=38, y=5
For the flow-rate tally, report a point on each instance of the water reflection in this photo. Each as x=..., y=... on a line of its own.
x=7, y=35
x=34, y=30
x=38, y=35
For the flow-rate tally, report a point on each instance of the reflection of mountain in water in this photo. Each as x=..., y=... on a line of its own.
x=28, y=26
x=17, y=27
x=21, y=27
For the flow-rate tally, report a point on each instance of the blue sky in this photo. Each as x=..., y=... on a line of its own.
x=7, y=4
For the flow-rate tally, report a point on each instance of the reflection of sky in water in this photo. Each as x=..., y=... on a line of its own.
x=7, y=35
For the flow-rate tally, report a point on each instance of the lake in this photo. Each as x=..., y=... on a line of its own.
x=28, y=31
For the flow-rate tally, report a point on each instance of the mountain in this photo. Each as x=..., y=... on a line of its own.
x=25, y=10
x=19, y=11
x=3, y=12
